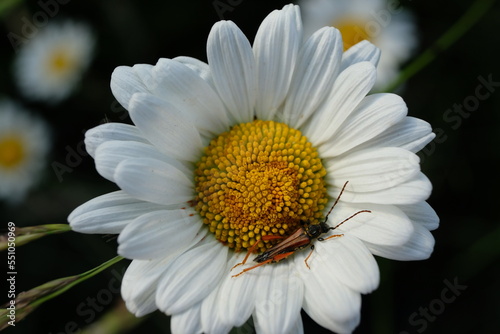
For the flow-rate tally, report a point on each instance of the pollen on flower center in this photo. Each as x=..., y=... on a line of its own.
x=11, y=151
x=259, y=178
x=353, y=32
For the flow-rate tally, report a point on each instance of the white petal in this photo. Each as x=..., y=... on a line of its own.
x=315, y=72
x=154, y=181
x=415, y=190
x=398, y=41
x=298, y=328
x=126, y=81
x=386, y=224
x=187, y=322
x=373, y=169
x=109, y=154
x=238, y=294
x=191, y=277
x=211, y=320
x=232, y=64
x=411, y=133
x=144, y=72
x=375, y=114
x=348, y=260
x=199, y=67
x=275, y=48
x=111, y=131
x=164, y=126
x=422, y=213
x=139, y=285
x=418, y=247
x=349, y=89
x=329, y=302
x=278, y=298
x=155, y=234
x=363, y=51
x=109, y=213
x=184, y=89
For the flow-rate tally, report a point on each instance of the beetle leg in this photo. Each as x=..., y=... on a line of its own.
x=308, y=256
x=253, y=267
x=332, y=236
x=277, y=258
x=250, y=251
x=254, y=247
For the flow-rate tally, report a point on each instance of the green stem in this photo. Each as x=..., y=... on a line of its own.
x=82, y=277
x=27, y=301
x=27, y=234
x=464, y=24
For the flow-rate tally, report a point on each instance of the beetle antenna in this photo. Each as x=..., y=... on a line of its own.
x=342, y=222
x=336, y=201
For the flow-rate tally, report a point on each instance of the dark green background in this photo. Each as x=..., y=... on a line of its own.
x=462, y=163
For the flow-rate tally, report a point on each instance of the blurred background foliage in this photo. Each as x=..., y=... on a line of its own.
x=462, y=166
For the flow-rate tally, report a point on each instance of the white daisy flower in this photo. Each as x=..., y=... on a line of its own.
x=257, y=143
x=49, y=66
x=390, y=28
x=24, y=143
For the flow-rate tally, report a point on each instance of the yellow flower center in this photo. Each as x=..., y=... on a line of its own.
x=259, y=178
x=11, y=151
x=60, y=62
x=352, y=32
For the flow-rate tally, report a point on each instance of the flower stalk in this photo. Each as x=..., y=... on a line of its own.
x=28, y=301
x=452, y=35
x=27, y=234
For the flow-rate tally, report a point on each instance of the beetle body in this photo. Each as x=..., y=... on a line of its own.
x=299, y=239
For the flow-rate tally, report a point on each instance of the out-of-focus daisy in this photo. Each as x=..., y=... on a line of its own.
x=50, y=65
x=251, y=144
x=24, y=143
x=390, y=28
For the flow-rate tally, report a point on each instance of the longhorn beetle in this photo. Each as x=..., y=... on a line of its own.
x=298, y=240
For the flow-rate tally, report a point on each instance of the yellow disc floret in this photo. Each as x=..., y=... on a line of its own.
x=259, y=178
x=61, y=63
x=12, y=151
x=352, y=32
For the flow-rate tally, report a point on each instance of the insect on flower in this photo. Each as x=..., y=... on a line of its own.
x=298, y=240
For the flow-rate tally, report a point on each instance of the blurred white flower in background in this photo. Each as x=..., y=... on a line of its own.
x=50, y=65
x=24, y=143
x=384, y=23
